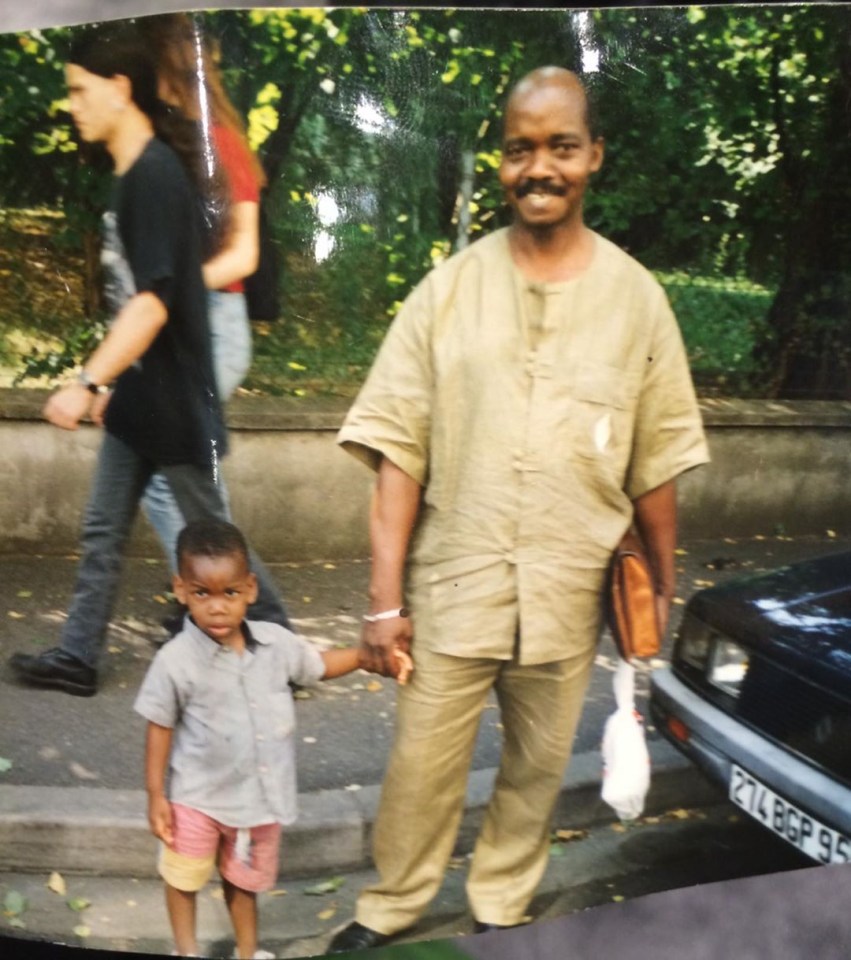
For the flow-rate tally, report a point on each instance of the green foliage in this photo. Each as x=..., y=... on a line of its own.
x=721, y=321
x=726, y=159
x=48, y=363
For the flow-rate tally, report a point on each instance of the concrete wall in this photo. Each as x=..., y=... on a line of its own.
x=774, y=466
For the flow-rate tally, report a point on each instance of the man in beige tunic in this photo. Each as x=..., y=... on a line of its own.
x=531, y=399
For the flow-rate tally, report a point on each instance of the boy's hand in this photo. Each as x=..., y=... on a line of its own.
x=406, y=665
x=159, y=818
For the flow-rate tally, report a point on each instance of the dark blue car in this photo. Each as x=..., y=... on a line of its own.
x=758, y=695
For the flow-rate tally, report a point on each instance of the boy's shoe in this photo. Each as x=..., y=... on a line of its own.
x=258, y=955
x=57, y=670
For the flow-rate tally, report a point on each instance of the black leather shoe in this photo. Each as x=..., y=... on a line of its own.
x=58, y=670
x=479, y=927
x=356, y=937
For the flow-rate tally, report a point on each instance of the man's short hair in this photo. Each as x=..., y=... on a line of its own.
x=211, y=537
x=541, y=76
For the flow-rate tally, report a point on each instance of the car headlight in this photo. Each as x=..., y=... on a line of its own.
x=694, y=642
x=728, y=665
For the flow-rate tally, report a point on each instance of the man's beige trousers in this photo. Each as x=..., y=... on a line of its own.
x=422, y=798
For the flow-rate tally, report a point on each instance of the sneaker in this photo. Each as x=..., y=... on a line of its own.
x=56, y=670
x=258, y=955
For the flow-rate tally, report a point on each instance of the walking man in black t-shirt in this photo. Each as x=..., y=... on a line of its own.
x=163, y=413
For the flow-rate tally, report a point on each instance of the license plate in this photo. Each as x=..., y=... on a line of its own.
x=783, y=818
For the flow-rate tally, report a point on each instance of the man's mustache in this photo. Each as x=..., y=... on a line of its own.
x=538, y=186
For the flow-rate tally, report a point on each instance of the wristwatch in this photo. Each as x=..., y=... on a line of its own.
x=386, y=615
x=90, y=385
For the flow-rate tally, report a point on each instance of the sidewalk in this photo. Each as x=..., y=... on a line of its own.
x=72, y=799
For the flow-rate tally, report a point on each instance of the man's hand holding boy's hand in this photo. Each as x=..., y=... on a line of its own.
x=385, y=648
x=159, y=818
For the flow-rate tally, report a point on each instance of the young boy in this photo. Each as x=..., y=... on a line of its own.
x=220, y=718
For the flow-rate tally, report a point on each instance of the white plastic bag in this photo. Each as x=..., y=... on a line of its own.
x=626, y=762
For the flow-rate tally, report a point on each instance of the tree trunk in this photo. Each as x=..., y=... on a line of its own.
x=810, y=353
x=465, y=198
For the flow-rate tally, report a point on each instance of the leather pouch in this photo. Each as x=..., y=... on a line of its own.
x=630, y=602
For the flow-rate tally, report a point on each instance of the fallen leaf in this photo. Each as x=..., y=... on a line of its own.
x=24, y=594
x=56, y=883
x=325, y=886
x=82, y=931
x=680, y=814
x=5, y=765
x=729, y=540
x=567, y=835
x=374, y=686
x=14, y=903
x=678, y=601
x=618, y=898
x=78, y=904
x=456, y=863
x=353, y=787
x=113, y=649
x=302, y=695
x=217, y=893
x=618, y=828
x=152, y=561
x=132, y=903
x=18, y=923
x=326, y=914
x=160, y=598
x=309, y=739
x=680, y=552
x=704, y=583
x=329, y=566
x=556, y=850
x=14, y=615
x=831, y=534
x=276, y=893
x=81, y=772
x=307, y=599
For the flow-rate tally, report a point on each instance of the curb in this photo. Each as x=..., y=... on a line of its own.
x=94, y=831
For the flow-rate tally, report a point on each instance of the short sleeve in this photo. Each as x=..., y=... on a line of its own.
x=669, y=437
x=236, y=162
x=391, y=416
x=157, y=700
x=156, y=217
x=305, y=665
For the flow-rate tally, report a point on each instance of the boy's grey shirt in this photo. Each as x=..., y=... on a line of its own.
x=233, y=748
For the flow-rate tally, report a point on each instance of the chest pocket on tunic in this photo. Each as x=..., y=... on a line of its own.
x=281, y=716
x=601, y=421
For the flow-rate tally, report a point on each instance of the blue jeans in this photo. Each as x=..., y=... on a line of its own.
x=230, y=331
x=121, y=477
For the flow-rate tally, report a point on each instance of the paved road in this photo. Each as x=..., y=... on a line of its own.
x=345, y=726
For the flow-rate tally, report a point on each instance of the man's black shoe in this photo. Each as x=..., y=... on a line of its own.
x=480, y=927
x=357, y=937
x=58, y=670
